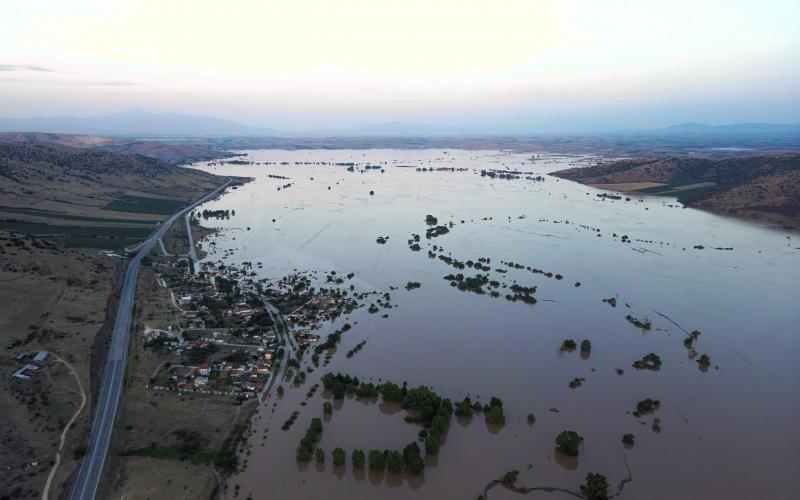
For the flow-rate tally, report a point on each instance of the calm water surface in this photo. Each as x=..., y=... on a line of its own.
x=730, y=432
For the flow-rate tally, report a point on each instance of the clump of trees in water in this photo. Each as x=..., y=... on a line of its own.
x=568, y=345
x=309, y=442
x=646, y=407
x=644, y=325
x=568, y=442
x=494, y=412
x=425, y=407
x=216, y=214
x=650, y=361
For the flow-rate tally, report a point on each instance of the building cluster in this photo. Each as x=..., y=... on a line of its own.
x=28, y=370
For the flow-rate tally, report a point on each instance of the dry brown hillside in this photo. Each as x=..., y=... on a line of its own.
x=765, y=187
x=87, y=197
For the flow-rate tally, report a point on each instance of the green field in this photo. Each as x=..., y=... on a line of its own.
x=112, y=238
x=142, y=205
x=59, y=215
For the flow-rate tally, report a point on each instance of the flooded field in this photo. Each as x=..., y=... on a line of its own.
x=724, y=429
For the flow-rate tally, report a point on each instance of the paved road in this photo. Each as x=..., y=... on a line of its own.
x=192, y=252
x=88, y=479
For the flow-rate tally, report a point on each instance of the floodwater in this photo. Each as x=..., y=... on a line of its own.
x=730, y=432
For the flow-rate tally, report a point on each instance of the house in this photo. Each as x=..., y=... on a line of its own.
x=25, y=372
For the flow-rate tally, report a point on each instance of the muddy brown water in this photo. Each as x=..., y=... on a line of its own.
x=730, y=432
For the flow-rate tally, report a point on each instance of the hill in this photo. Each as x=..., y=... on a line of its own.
x=766, y=186
x=172, y=151
x=90, y=197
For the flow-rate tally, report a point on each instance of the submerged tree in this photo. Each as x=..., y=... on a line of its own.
x=568, y=442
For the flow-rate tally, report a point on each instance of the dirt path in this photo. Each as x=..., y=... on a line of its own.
x=67, y=427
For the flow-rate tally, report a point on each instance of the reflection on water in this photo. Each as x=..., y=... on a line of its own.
x=734, y=419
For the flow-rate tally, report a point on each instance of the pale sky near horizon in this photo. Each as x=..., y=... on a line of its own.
x=305, y=64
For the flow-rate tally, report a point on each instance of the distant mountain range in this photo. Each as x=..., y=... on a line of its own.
x=736, y=128
x=134, y=123
x=140, y=123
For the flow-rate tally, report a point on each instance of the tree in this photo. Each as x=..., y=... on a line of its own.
x=391, y=392
x=494, y=415
x=376, y=461
x=327, y=408
x=395, y=462
x=628, y=439
x=464, y=408
x=432, y=444
x=319, y=456
x=413, y=458
x=586, y=346
x=303, y=454
x=316, y=425
x=339, y=456
x=358, y=458
x=568, y=442
x=596, y=487
x=338, y=390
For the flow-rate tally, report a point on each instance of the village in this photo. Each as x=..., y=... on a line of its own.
x=232, y=331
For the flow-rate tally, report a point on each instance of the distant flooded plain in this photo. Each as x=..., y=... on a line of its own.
x=728, y=431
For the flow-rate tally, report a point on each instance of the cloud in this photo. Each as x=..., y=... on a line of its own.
x=24, y=67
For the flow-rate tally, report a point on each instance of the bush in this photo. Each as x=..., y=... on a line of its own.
x=568, y=442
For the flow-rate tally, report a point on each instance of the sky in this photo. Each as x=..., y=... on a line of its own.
x=524, y=65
